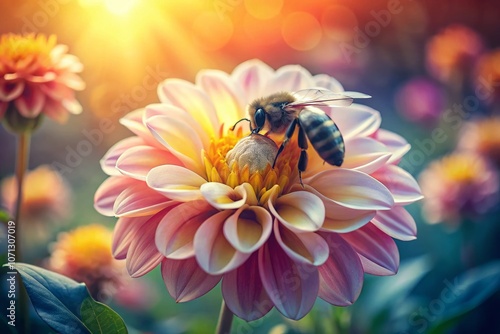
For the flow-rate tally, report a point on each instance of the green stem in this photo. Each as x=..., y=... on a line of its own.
x=22, y=158
x=225, y=320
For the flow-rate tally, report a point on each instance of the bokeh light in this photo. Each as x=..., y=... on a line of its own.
x=301, y=31
x=263, y=9
x=338, y=22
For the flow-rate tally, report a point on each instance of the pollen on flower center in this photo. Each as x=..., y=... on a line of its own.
x=235, y=159
x=27, y=48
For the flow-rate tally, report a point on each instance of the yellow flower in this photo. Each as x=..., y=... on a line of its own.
x=84, y=255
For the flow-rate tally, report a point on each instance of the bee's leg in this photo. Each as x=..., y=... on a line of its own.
x=303, y=159
x=288, y=135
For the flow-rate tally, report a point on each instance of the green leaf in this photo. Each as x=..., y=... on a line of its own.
x=65, y=305
x=99, y=318
x=471, y=289
x=56, y=298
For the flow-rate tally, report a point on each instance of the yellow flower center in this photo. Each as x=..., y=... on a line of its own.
x=462, y=167
x=223, y=170
x=87, y=248
x=23, y=50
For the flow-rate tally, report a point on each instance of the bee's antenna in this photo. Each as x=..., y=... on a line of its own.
x=243, y=119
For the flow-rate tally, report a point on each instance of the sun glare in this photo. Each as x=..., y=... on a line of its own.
x=115, y=7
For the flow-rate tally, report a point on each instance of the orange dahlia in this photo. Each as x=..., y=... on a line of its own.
x=37, y=77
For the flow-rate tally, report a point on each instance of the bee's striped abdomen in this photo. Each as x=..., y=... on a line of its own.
x=324, y=135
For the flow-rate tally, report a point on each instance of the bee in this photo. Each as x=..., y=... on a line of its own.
x=281, y=113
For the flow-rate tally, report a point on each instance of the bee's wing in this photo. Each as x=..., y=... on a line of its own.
x=324, y=97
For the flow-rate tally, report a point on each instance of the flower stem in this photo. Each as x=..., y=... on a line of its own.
x=225, y=320
x=22, y=158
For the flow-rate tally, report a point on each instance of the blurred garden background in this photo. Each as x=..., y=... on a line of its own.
x=432, y=69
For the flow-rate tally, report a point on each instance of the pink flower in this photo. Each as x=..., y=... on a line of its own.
x=46, y=197
x=460, y=185
x=421, y=100
x=272, y=242
x=482, y=137
x=37, y=76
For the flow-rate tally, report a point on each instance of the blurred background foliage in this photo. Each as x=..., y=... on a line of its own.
x=433, y=69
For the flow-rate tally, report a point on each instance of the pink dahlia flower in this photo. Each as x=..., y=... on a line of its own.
x=272, y=242
x=37, y=76
x=462, y=185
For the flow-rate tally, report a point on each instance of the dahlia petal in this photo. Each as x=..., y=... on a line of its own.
x=70, y=63
x=244, y=292
x=247, y=189
x=137, y=161
x=227, y=98
x=170, y=111
x=72, y=105
x=139, y=200
x=340, y=219
x=56, y=90
x=400, y=183
x=46, y=77
x=378, y=251
x=108, y=162
x=172, y=133
x=55, y=110
x=175, y=233
x=396, y=144
x=193, y=100
x=185, y=280
x=397, y=222
x=326, y=81
x=11, y=90
x=30, y=102
x=365, y=154
x=248, y=228
x=108, y=191
x=222, y=196
x=356, y=120
x=308, y=247
x=142, y=255
x=292, y=287
x=72, y=80
x=341, y=276
x=176, y=182
x=58, y=52
x=214, y=253
x=290, y=78
x=300, y=211
x=124, y=232
x=252, y=76
x=352, y=189
x=133, y=122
